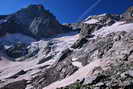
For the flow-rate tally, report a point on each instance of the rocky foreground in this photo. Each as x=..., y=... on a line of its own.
x=37, y=52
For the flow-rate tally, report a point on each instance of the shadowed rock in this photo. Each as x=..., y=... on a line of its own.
x=34, y=21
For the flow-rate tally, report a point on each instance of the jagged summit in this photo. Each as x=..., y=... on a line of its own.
x=37, y=6
x=33, y=21
x=32, y=11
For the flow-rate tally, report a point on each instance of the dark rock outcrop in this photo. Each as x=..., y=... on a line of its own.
x=128, y=15
x=16, y=50
x=74, y=26
x=19, y=84
x=87, y=29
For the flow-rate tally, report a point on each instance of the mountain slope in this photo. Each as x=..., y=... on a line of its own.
x=99, y=57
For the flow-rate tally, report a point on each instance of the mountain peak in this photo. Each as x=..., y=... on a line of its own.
x=38, y=6
x=34, y=21
x=34, y=10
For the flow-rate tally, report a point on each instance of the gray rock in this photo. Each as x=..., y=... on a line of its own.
x=17, y=50
x=60, y=71
x=79, y=43
x=15, y=85
x=95, y=80
x=89, y=80
x=87, y=29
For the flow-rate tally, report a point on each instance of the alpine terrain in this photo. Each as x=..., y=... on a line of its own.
x=38, y=52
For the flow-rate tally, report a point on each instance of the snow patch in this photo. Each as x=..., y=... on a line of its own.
x=3, y=21
x=91, y=21
x=64, y=41
x=101, y=15
x=74, y=59
x=77, y=64
x=10, y=68
x=118, y=26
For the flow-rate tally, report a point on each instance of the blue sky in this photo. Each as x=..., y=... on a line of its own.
x=68, y=11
